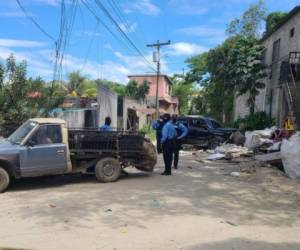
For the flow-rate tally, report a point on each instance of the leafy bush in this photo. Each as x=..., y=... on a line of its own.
x=256, y=121
x=148, y=132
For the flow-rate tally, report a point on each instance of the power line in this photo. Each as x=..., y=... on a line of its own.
x=117, y=9
x=104, y=24
x=34, y=21
x=101, y=6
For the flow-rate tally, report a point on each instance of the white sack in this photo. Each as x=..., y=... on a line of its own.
x=290, y=153
x=255, y=139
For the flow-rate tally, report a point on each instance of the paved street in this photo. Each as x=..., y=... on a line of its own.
x=200, y=207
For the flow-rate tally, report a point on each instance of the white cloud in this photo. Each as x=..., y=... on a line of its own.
x=188, y=7
x=211, y=35
x=12, y=14
x=145, y=7
x=186, y=49
x=49, y=2
x=136, y=63
x=10, y=43
x=40, y=62
x=128, y=27
x=91, y=33
x=108, y=69
x=201, y=31
x=34, y=62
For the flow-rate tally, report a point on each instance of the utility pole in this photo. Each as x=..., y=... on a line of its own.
x=156, y=58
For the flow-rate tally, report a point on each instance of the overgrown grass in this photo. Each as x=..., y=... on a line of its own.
x=256, y=121
x=148, y=132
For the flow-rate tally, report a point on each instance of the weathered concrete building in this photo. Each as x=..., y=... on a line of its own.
x=133, y=114
x=108, y=105
x=282, y=58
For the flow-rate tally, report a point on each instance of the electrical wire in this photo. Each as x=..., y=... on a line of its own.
x=106, y=12
x=103, y=23
x=34, y=21
x=117, y=10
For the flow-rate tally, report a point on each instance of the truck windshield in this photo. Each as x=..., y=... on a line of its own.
x=19, y=135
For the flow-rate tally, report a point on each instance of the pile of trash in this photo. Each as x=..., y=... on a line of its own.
x=272, y=146
x=278, y=147
x=229, y=151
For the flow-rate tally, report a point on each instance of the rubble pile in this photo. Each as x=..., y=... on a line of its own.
x=262, y=147
x=229, y=151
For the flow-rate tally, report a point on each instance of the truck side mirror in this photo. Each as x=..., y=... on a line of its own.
x=30, y=143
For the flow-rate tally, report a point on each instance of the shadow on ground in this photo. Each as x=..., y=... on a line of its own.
x=245, y=244
x=197, y=189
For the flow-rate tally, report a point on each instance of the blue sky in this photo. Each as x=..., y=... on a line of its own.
x=193, y=26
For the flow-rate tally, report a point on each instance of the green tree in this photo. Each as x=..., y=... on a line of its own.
x=118, y=88
x=132, y=89
x=211, y=71
x=246, y=68
x=22, y=98
x=88, y=88
x=249, y=23
x=183, y=91
x=232, y=68
x=143, y=90
x=75, y=81
x=13, y=106
x=273, y=19
x=136, y=91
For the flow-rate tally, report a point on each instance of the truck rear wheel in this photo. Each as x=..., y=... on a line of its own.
x=108, y=170
x=4, y=180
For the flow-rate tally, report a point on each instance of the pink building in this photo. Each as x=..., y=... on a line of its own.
x=167, y=102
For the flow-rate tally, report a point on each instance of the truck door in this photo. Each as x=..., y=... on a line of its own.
x=198, y=131
x=44, y=153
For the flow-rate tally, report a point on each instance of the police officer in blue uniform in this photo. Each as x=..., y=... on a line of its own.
x=182, y=132
x=168, y=141
x=158, y=126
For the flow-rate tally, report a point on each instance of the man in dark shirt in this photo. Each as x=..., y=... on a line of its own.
x=106, y=127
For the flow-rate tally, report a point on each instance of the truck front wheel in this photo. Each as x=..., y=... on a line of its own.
x=4, y=179
x=108, y=170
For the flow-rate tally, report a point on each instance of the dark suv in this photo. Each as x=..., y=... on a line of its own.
x=205, y=132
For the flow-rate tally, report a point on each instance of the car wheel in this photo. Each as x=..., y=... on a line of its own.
x=108, y=170
x=4, y=180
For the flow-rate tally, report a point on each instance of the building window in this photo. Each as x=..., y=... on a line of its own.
x=292, y=32
x=276, y=50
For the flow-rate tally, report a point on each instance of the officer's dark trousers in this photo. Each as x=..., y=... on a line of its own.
x=176, y=157
x=168, y=151
x=158, y=145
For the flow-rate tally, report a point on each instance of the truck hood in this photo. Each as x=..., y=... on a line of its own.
x=6, y=147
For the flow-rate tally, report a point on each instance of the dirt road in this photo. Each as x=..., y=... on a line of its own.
x=200, y=207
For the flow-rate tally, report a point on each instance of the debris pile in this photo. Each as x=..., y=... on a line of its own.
x=259, y=138
x=229, y=151
x=277, y=147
